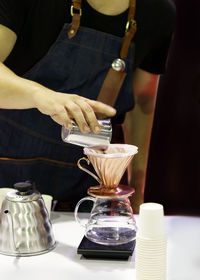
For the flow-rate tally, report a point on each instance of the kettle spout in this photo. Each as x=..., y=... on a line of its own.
x=10, y=222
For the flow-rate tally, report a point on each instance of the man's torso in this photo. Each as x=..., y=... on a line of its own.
x=43, y=20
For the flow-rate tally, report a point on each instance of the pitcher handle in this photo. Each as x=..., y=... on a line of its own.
x=77, y=207
x=86, y=170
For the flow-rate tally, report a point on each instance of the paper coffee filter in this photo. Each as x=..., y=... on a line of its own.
x=113, y=151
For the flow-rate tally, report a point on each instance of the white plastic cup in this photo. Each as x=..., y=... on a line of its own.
x=48, y=202
x=151, y=221
x=3, y=192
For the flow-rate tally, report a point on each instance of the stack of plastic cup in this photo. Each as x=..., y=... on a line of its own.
x=151, y=243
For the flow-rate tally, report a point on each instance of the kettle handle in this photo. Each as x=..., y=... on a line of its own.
x=77, y=207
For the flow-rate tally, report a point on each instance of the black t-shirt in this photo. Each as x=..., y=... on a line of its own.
x=37, y=24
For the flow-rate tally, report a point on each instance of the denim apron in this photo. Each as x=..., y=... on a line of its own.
x=30, y=142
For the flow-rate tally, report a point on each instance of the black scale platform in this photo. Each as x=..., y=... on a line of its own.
x=90, y=249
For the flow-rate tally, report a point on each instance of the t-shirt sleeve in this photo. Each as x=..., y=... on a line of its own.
x=12, y=14
x=156, y=60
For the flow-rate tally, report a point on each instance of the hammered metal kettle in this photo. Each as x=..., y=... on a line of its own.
x=25, y=228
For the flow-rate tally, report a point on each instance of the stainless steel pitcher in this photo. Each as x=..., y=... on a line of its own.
x=25, y=228
x=76, y=137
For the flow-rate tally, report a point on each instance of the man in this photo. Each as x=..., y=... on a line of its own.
x=27, y=32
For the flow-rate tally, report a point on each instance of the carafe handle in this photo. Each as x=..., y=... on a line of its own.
x=77, y=207
x=86, y=170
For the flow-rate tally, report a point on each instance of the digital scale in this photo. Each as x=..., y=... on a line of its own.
x=89, y=249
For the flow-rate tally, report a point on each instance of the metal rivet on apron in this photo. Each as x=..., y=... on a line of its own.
x=118, y=64
x=72, y=31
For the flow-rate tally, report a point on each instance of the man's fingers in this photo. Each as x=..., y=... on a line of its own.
x=77, y=114
x=63, y=107
x=101, y=108
x=89, y=115
x=62, y=118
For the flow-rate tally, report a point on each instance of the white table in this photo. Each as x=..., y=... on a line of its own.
x=64, y=263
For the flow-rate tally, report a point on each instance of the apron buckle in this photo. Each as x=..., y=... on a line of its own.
x=130, y=22
x=78, y=11
x=118, y=64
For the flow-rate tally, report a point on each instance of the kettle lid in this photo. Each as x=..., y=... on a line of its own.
x=25, y=192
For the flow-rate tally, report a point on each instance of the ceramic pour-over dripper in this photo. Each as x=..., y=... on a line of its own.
x=110, y=165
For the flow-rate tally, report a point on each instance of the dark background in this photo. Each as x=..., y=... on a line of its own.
x=173, y=175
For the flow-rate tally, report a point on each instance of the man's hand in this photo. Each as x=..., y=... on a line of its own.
x=64, y=107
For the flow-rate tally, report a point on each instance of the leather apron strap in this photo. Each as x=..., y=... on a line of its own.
x=116, y=75
x=130, y=30
x=76, y=13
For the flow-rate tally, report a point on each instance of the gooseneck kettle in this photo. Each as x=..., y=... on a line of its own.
x=25, y=228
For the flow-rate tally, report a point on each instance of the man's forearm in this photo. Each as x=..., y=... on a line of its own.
x=16, y=92
x=19, y=93
x=138, y=127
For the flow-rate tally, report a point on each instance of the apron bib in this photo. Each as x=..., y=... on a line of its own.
x=30, y=142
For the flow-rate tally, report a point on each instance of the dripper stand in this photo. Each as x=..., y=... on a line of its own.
x=116, y=192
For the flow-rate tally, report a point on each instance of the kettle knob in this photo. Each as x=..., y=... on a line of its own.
x=23, y=187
